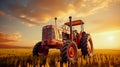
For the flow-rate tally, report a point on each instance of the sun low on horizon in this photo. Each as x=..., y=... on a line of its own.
x=21, y=21
x=107, y=40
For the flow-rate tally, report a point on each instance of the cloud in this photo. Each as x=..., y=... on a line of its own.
x=2, y=13
x=37, y=12
x=103, y=25
x=9, y=38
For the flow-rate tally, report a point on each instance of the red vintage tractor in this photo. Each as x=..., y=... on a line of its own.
x=66, y=39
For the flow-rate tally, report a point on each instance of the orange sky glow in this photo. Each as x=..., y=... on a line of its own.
x=21, y=21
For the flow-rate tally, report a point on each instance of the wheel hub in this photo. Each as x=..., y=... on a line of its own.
x=72, y=51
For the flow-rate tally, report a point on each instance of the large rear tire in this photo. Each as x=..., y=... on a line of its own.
x=39, y=50
x=86, y=45
x=69, y=51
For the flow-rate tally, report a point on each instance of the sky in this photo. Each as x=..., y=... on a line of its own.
x=21, y=21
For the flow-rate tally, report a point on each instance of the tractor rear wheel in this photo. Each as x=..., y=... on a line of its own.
x=69, y=51
x=39, y=50
x=86, y=45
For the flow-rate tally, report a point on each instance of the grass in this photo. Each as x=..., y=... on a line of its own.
x=24, y=58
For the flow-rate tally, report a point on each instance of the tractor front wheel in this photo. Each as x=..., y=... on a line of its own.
x=69, y=51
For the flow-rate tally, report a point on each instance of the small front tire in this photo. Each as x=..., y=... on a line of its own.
x=40, y=50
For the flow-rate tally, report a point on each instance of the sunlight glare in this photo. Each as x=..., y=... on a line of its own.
x=111, y=38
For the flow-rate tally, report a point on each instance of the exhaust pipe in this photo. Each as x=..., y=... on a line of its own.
x=55, y=21
x=71, y=32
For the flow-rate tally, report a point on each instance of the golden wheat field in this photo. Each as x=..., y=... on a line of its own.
x=24, y=58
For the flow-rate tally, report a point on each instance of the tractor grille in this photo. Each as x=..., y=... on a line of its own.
x=48, y=33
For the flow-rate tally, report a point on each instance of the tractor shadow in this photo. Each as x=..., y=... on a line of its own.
x=55, y=62
x=68, y=64
x=52, y=63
